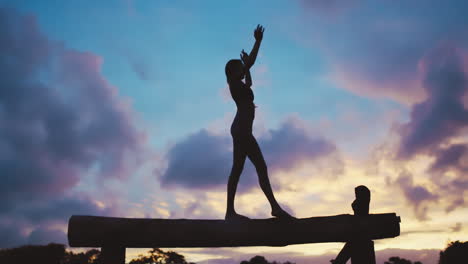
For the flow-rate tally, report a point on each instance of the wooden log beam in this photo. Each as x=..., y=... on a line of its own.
x=94, y=231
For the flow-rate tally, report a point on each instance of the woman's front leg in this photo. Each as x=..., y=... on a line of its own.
x=255, y=155
x=239, y=157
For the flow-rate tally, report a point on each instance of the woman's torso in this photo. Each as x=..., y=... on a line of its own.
x=243, y=97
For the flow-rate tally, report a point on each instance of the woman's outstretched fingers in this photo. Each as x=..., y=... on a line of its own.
x=258, y=33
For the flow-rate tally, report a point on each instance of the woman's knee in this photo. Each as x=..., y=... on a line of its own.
x=261, y=167
x=238, y=164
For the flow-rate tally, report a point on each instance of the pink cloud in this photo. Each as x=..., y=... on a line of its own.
x=404, y=89
x=59, y=118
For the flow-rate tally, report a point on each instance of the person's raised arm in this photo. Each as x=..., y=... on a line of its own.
x=248, y=79
x=258, y=34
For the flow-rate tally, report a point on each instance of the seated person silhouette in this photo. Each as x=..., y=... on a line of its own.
x=245, y=144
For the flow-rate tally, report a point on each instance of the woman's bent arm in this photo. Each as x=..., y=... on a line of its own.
x=248, y=78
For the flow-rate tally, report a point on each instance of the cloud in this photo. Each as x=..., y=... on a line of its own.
x=44, y=221
x=59, y=118
x=43, y=211
x=404, y=89
x=328, y=7
x=189, y=206
x=455, y=194
x=457, y=227
x=437, y=122
x=376, y=55
x=43, y=236
x=425, y=231
x=377, y=63
x=417, y=196
x=419, y=61
x=11, y=235
x=291, y=145
x=203, y=160
x=452, y=157
x=442, y=115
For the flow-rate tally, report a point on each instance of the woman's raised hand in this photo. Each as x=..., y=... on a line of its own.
x=249, y=59
x=258, y=33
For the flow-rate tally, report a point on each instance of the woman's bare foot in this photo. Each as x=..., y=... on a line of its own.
x=235, y=216
x=280, y=213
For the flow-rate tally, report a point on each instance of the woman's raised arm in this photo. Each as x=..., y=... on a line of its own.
x=248, y=79
x=258, y=34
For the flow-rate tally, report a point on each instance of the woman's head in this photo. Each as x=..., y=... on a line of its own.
x=234, y=70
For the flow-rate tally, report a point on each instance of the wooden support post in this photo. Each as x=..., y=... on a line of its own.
x=360, y=248
x=362, y=252
x=113, y=254
x=344, y=254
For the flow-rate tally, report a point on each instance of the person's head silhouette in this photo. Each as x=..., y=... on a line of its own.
x=234, y=70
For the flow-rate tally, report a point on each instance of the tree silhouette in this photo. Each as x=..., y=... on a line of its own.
x=51, y=253
x=456, y=252
x=158, y=256
x=262, y=260
x=256, y=260
x=89, y=257
x=398, y=260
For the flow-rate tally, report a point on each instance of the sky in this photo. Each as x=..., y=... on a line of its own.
x=121, y=108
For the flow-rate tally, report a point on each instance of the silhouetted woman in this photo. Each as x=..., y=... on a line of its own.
x=245, y=144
